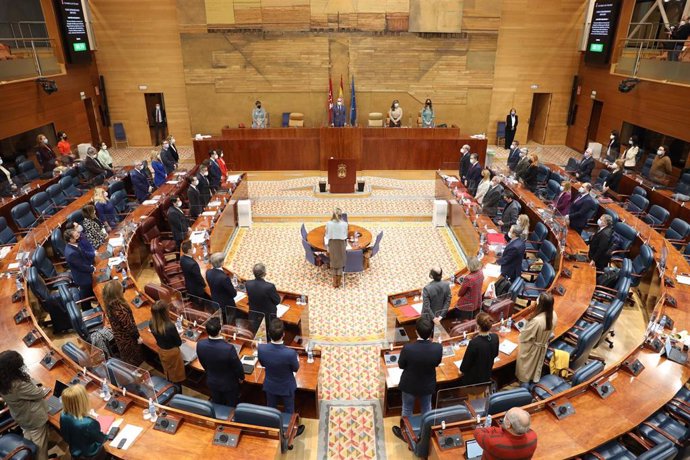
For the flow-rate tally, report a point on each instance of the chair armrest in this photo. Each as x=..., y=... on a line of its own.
x=639, y=440
x=92, y=316
x=408, y=431
x=160, y=392
x=539, y=385
x=292, y=429
x=662, y=432
x=88, y=299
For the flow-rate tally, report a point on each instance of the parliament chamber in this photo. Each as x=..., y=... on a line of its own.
x=228, y=227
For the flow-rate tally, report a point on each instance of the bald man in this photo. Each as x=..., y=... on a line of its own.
x=514, y=439
x=436, y=296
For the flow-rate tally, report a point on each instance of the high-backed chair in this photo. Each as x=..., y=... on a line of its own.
x=172, y=259
x=556, y=177
x=57, y=242
x=303, y=232
x=537, y=236
x=680, y=404
x=543, y=281
x=683, y=185
x=647, y=166
x=75, y=353
x=149, y=230
x=50, y=300
x=296, y=120
x=23, y=217
x=69, y=188
x=516, y=288
x=200, y=407
x=116, y=186
x=543, y=175
x=641, y=264
x=7, y=236
x=120, y=203
x=656, y=217
x=662, y=427
x=269, y=417
x=617, y=449
x=546, y=253
x=579, y=342
x=550, y=384
x=169, y=276
x=120, y=374
x=416, y=429
x=636, y=204
x=377, y=243
x=678, y=233
x=603, y=296
x=27, y=171
x=57, y=196
x=311, y=256
x=500, y=402
x=15, y=447
x=614, y=215
x=603, y=175
x=622, y=238
x=75, y=217
x=42, y=205
x=553, y=189
x=45, y=266
x=83, y=322
x=637, y=190
x=375, y=120
x=354, y=262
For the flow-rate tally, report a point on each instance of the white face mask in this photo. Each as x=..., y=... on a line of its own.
x=612, y=136
x=396, y=105
x=473, y=162
x=560, y=187
x=172, y=140
x=581, y=190
x=659, y=152
x=178, y=204
x=630, y=142
x=165, y=146
x=104, y=147
x=512, y=146
x=45, y=141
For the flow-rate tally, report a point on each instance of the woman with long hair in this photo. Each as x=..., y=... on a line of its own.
x=81, y=432
x=25, y=400
x=336, y=239
x=483, y=186
x=428, y=116
x=104, y=208
x=159, y=174
x=94, y=230
x=395, y=115
x=534, y=340
x=470, y=293
x=122, y=323
x=522, y=225
x=564, y=199
x=168, y=340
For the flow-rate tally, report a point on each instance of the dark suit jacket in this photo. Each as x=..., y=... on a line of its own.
x=195, y=206
x=491, y=200
x=511, y=260
x=509, y=123
x=193, y=280
x=204, y=189
x=614, y=180
x=521, y=166
x=279, y=362
x=223, y=368
x=214, y=175
x=464, y=167
x=140, y=183
x=584, y=169
x=479, y=359
x=178, y=223
x=94, y=167
x=163, y=117
x=175, y=154
x=78, y=263
x=529, y=177
x=513, y=158
x=579, y=210
x=436, y=298
x=510, y=215
x=263, y=297
x=222, y=290
x=599, y=245
x=168, y=160
x=474, y=176
x=419, y=360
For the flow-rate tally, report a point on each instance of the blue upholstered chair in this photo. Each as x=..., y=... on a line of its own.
x=120, y=373
x=578, y=342
x=252, y=414
x=42, y=205
x=27, y=171
x=69, y=188
x=416, y=429
x=200, y=407
x=20, y=448
x=23, y=218
x=377, y=244
x=46, y=268
x=636, y=204
x=500, y=402
x=543, y=281
x=656, y=217
x=7, y=236
x=618, y=450
x=677, y=233
x=537, y=236
x=550, y=384
x=546, y=253
x=607, y=315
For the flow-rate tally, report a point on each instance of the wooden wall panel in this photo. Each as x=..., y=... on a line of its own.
x=444, y=16
x=139, y=44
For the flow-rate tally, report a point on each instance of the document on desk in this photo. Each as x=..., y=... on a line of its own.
x=197, y=237
x=234, y=178
x=4, y=251
x=281, y=309
x=393, y=376
x=213, y=204
x=172, y=182
x=411, y=311
x=116, y=242
x=130, y=433
x=492, y=271
x=149, y=202
x=507, y=347
x=683, y=279
x=240, y=296
x=208, y=213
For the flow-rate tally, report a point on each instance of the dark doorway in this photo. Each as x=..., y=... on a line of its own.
x=593, y=127
x=93, y=124
x=157, y=128
x=539, y=117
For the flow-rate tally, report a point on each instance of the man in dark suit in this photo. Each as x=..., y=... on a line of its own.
x=514, y=155
x=474, y=174
x=339, y=114
x=78, y=263
x=159, y=123
x=581, y=208
x=279, y=362
x=585, y=167
x=214, y=172
x=140, y=183
x=222, y=290
x=511, y=127
x=263, y=296
x=600, y=243
x=523, y=162
x=419, y=360
x=178, y=221
x=436, y=296
x=204, y=186
x=492, y=197
x=464, y=163
x=173, y=149
x=510, y=212
x=93, y=166
x=167, y=158
x=194, y=198
x=513, y=255
x=223, y=367
x=193, y=281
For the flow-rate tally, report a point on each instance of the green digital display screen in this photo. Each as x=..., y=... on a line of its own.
x=79, y=46
x=596, y=47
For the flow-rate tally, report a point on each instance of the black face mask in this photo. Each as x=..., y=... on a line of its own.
x=258, y=106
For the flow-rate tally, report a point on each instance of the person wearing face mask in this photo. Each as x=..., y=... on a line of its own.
x=63, y=145
x=159, y=123
x=581, y=207
x=492, y=197
x=585, y=167
x=464, y=163
x=524, y=162
x=511, y=127
x=178, y=221
x=104, y=208
x=141, y=184
x=661, y=166
x=159, y=173
x=173, y=149
x=613, y=181
x=629, y=156
x=612, y=150
x=339, y=114
x=428, y=116
x=167, y=158
x=514, y=155
x=474, y=174
x=528, y=178
x=600, y=243
x=221, y=164
x=94, y=167
x=80, y=265
x=513, y=255
x=214, y=173
x=483, y=186
x=564, y=199
x=510, y=212
x=44, y=154
x=395, y=114
x=204, y=186
x=194, y=198
x=258, y=116
x=7, y=185
x=104, y=156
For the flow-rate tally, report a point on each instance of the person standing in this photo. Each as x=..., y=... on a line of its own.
x=492, y=197
x=104, y=156
x=661, y=167
x=224, y=371
x=629, y=156
x=479, y=357
x=204, y=186
x=395, y=114
x=168, y=341
x=534, y=340
x=419, y=360
x=194, y=198
x=263, y=296
x=512, y=257
x=529, y=176
x=470, y=293
x=510, y=212
x=280, y=363
x=173, y=149
x=45, y=154
x=258, y=116
x=221, y=164
x=436, y=296
x=585, y=167
x=612, y=149
x=428, y=116
x=167, y=158
x=160, y=175
x=81, y=432
x=511, y=127
x=514, y=439
x=79, y=264
x=600, y=243
x=581, y=208
x=140, y=183
x=122, y=323
x=93, y=166
x=564, y=199
x=63, y=144
x=483, y=186
x=179, y=226
x=214, y=172
x=474, y=174
x=339, y=114
x=464, y=163
x=336, y=241
x=25, y=401
x=94, y=230
x=104, y=208
x=614, y=179
x=159, y=123
x=222, y=290
x=193, y=281
x=514, y=155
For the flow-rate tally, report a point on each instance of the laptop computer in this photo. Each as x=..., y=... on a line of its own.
x=54, y=401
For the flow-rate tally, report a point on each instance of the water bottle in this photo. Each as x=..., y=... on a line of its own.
x=509, y=324
x=310, y=355
x=152, y=410
x=487, y=422
x=19, y=283
x=452, y=279
x=205, y=254
x=178, y=324
x=675, y=272
x=234, y=280
x=105, y=390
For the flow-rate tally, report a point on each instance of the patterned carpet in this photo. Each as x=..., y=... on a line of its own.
x=351, y=430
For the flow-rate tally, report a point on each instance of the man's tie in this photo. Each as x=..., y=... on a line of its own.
x=158, y=115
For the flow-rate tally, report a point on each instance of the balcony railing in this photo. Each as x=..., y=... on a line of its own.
x=22, y=58
x=652, y=59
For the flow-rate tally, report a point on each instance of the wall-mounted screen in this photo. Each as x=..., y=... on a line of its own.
x=70, y=14
x=602, y=31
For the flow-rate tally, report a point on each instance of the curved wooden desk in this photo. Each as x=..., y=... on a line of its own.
x=315, y=237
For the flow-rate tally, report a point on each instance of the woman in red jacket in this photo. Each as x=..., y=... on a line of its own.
x=471, y=290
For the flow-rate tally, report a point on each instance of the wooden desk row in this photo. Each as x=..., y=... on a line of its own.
x=35, y=186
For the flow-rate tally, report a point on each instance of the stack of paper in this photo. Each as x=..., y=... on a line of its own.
x=281, y=309
x=683, y=279
x=240, y=296
x=197, y=237
x=393, y=376
x=149, y=202
x=507, y=347
x=130, y=433
x=208, y=213
x=116, y=242
x=4, y=251
x=234, y=179
x=172, y=182
x=492, y=271
x=214, y=203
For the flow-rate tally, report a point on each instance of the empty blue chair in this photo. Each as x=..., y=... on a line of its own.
x=543, y=175
x=603, y=296
x=68, y=188
x=377, y=244
x=20, y=448
x=417, y=428
x=537, y=236
x=516, y=288
x=656, y=217
x=578, y=342
x=680, y=403
x=27, y=171
x=668, y=425
x=683, y=186
x=618, y=450
x=50, y=300
x=303, y=231
x=551, y=384
x=7, y=236
x=647, y=166
x=603, y=175
x=546, y=253
x=119, y=201
x=76, y=354
x=116, y=186
x=354, y=262
x=677, y=233
x=553, y=189
x=42, y=205
x=75, y=217
x=572, y=164
x=57, y=242
x=121, y=375
x=58, y=196
x=500, y=402
x=311, y=256
x=622, y=239
x=606, y=315
x=40, y=260
x=23, y=218
x=543, y=281
x=83, y=322
x=556, y=177
x=120, y=134
x=200, y=407
x=637, y=190
x=641, y=264
x=269, y=417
